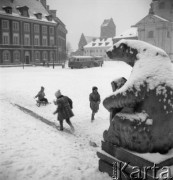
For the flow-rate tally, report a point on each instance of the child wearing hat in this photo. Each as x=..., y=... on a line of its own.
x=64, y=109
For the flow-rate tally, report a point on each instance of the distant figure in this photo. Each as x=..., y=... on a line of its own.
x=94, y=99
x=64, y=109
x=41, y=95
x=44, y=62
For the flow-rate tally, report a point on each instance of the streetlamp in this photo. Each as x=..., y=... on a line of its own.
x=23, y=63
x=53, y=55
x=53, y=60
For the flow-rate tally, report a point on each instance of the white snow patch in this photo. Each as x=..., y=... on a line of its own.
x=30, y=149
x=141, y=117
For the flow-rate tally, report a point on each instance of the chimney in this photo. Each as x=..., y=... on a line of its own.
x=47, y=7
x=53, y=13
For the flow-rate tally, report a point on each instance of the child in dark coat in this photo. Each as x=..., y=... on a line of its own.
x=94, y=99
x=64, y=109
x=41, y=95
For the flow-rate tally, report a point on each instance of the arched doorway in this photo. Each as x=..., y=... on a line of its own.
x=27, y=57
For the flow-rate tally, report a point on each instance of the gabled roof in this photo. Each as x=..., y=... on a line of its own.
x=152, y=17
x=90, y=38
x=35, y=6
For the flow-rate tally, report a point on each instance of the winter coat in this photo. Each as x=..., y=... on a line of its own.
x=64, y=108
x=40, y=95
x=94, y=99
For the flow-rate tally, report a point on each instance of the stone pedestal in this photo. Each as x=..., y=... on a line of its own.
x=113, y=158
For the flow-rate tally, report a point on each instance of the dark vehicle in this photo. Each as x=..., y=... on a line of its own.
x=85, y=61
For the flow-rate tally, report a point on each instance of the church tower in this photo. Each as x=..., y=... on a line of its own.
x=108, y=29
x=163, y=8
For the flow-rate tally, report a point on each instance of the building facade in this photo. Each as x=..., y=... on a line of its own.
x=157, y=27
x=98, y=47
x=61, y=33
x=108, y=29
x=28, y=33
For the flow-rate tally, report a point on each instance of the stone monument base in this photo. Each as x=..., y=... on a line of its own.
x=122, y=164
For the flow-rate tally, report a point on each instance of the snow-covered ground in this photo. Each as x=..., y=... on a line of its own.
x=31, y=149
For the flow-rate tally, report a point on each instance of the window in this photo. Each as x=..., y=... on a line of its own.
x=44, y=41
x=15, y=26
x=26, y=39
x=7, y=9
x=16, y=56
x=150, y=34
x=36, y=28
x=16, y=38
x=36, y=40
x=51, y=41
x=106, y=43
x=5, y=38
x=37, y=56
x=5, y=24
x=168, y=34
x=38, y=15
x=26, y=27
x=51, y=30
x=44, y=56
x=52, y=56
x=172, y=8
x=23, y=11
x=44, y=29
x=49, y=17
x=6, y=55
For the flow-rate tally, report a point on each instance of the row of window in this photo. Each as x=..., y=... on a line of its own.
x=26, y=26
x=6, y=56
x=16, y=39
x=44, y=56
x=151, y=34
x=95, y=50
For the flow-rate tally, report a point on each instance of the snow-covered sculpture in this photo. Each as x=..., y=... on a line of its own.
x=142, y=106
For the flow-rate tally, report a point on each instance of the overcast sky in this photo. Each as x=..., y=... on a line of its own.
x=86, y=16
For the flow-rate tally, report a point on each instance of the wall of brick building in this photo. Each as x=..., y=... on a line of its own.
x=21, y=47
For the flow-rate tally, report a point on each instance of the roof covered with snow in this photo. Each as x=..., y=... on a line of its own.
x=34, y=6
x=160, y=18
x=90, y=38
x=100, y=42
x=153, y=18
x=131, y=32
